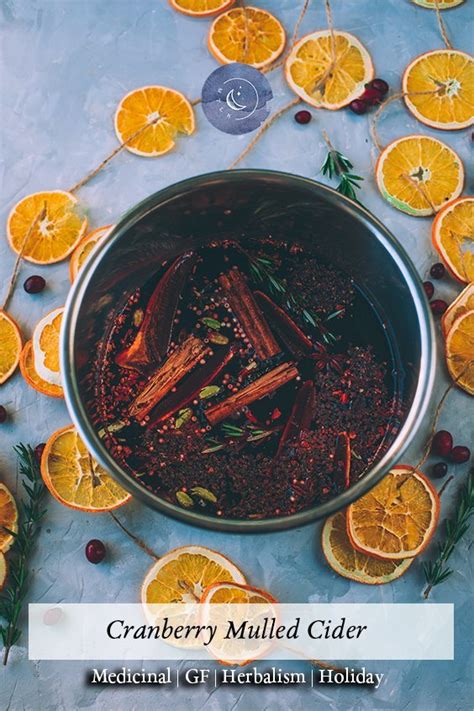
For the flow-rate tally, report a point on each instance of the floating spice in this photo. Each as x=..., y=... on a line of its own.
x=301, y=415
x=291, y=335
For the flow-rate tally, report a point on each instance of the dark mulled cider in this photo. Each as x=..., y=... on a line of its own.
x=247, y=380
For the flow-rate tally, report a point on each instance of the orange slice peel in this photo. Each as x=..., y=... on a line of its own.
x=149, y=119
x=10, y=346
x=28, y=371
x=419, y=174
x=85, y=248
x=442, y=4
x=397, y=518
x=452, y=234
x=350, y=563
x=45, y=345
x=248, y=35
x=200, y=8
x=8, y=518
x=74, y=478
x=464, y=302
x=325, y=80
x=45, y=227
x=460, y=351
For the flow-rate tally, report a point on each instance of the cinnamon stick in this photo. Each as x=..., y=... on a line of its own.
x=290, y=334
x=181, y=361
x=301, y=415
x=249, y=314
x=342, y=460
x=261, y=387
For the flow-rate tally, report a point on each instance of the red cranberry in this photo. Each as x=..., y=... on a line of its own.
x=429, y=289
x=39, y=449
x=439, y=470
x=442, y=443
x=438, y=270
x=379, y=85
x=438, y=307
x=371, y=97
x=303, y=117
x=358, y=106
x=3, y=415
x=34, y=284
x=95, y=551
x=459, y=454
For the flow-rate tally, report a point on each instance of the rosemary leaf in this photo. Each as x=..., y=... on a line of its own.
x=31, y=514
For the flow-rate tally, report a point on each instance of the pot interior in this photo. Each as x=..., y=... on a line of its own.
x=233, y=206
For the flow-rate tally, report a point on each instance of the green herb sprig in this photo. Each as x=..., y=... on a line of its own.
x=31, y=513
x=337, y=165
x=438, y=571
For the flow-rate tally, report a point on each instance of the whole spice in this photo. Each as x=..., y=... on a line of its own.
x=301, y=415
x=31, y=514
x=293, y=338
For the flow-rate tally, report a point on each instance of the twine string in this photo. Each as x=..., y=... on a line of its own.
x=442, y=26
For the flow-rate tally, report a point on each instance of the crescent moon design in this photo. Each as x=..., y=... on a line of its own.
x=232, y=102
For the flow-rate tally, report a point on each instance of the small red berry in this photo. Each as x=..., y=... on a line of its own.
x=429, y=289
x=358, y=106
x=3, y=415
x=442, y=443
x=303, y=117
x=438, y=270
x=371, y=97
x=439, y=470
x=379, y=85
x=95, y=551
x=438, y=307
x=39, y=449
x=460, y=454
x=34, y=284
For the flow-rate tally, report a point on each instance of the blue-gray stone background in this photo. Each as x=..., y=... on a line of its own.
x=65, y=64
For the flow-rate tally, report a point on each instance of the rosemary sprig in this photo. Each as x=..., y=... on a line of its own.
x=337, y=165
x=437, y=571
x=30, y=514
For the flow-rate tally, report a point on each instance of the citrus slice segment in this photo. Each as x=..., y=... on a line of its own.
x=45, y=342
x=74, y=478
x=442, y=4
x=85, y=248
x=350, y=563
x=218, y=607
x=417, y=174
x=3, y=571
x=452, y=234
x=311, y=60
x=200, y=8
x=10, y=346
x=463, y=303
x=8, y=518
x=439, y=89
x=45, y=227
x=460, y=351
x=249, y=35
x=397, y=518
x=157, y=115
x=28, y=371
x=180, y=577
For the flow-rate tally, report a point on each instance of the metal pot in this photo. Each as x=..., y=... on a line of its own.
x=227, y=205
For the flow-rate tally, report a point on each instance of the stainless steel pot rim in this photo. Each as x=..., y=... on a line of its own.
x=392, y=456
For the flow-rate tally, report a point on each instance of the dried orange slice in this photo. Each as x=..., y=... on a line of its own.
x=418, y=173
x=442, y=4
x=449, y=75
x=200, y=8
x=8, y=518
x=3, y=570
x=352, y=564
x=45, y=227
x=397, y=518
x=311, y=59
x=249, y=35
x=215, y=610
x=28, y=371
x=85, y=247
x=10, y=346
x=157, y=115
x=74, y=478
x=463, y=303
x=452, y=234
x=181, y=576
x=45, y=344
x=460, y=351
